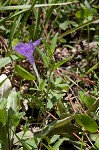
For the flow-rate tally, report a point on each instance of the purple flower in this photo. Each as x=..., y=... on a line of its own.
x=27, y=49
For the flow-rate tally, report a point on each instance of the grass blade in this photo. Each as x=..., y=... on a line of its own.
x=77, y=28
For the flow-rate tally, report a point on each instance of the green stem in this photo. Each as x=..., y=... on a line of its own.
x=4, y=137
x=37, y=22
x=35, y=69
x=43, y=122
x=82, y=140
x=88, y=61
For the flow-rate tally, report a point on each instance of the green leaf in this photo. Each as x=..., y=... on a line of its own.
x=4, y=144
x=26, y=6
x=54, y=96
x=27, y=140
x=86, y=122
x=51, y=103
x=77, y=28
x=87, y=99
x=23, y=73
x=62, y=122
x=12, y=15
x=53, y=44
x=6, y=60
x=12, y=100
x=94, y=107
x=58, y=81
x=92, y=10
x=83, y=13
x=59, y=142
x=33, y=143
x=96, y=145
x=3, y=102
x=15, y=42
x=46, y=44
x=54, y=138
x=63, y=86
x=3, y=116
x=55, y=124
x=42, y=85
x=24, y=144
x=92, y=68
x=13, y=30
x=55, y=66
x=64, y=25
x=44, y=57
x=37, y=24
x=16, y=117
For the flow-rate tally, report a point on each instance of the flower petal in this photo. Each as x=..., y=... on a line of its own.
x=36, y=42
x=24, y=48
x=27, y=49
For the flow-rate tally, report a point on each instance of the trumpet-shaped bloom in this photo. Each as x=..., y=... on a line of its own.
x=27, y=49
